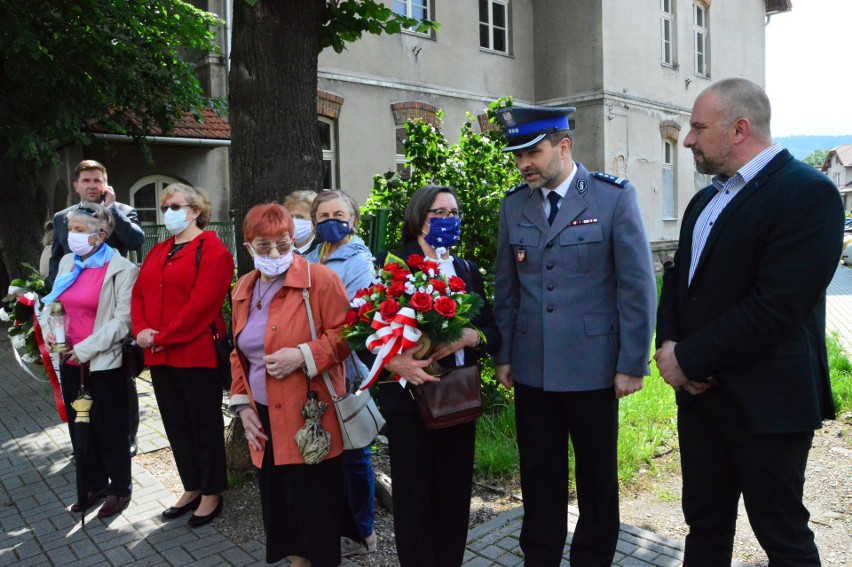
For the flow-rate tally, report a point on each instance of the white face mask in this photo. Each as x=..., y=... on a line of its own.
x=175, y=221
x=302, y=229
x=273, y=267
x=79, y=243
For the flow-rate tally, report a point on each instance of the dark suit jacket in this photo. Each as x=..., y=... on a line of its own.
x=753, y=318
x=393, y=398
x=128, y=234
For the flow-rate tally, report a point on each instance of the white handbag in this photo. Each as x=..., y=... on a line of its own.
x=357, y=414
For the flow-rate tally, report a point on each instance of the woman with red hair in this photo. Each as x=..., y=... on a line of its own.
x=276, y=366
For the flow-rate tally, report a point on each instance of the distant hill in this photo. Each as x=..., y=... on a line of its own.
x=800, y=146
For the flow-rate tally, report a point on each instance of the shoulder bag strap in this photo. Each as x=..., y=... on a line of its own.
x=307, y=297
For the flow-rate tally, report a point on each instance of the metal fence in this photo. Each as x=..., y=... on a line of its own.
x=155, y=233
x=373, y=230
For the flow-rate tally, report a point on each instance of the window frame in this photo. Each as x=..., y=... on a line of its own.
x=428, y=5
x=668, y=164
x=332, y=154
x=700, y=35
x=160, y=182
x=492, y=28
x=668, y=29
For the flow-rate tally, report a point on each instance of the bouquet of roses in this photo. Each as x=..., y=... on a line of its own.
x=410, y=306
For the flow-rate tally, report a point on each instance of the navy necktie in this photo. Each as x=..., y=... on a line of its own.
x=553, y=197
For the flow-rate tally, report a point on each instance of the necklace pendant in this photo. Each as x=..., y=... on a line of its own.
x=259, y=304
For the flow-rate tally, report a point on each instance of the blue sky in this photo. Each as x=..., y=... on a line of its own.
x=808, y=77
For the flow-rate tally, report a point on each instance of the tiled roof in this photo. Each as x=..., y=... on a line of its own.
x=212, y=127
x=844, y=157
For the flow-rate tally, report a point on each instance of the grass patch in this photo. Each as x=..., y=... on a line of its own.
x=647, y=424
x=666, y=495
x=841, y=374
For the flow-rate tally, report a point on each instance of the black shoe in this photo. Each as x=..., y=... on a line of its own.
x=134, y=447
x=177, y=512
x=198, y=521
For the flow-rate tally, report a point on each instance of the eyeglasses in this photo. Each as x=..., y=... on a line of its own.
x=85, y=210
x=173, y=206
x=444, y=213
x=265, y=249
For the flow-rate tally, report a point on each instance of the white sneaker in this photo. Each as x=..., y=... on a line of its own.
x=349, y=547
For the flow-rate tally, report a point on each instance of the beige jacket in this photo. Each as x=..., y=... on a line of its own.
x=102, y=349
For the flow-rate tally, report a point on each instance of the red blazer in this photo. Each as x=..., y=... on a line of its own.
x=181, y=298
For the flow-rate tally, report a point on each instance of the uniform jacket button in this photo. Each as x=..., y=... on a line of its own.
x=550, y=287
x=550, y=266
x=582, y=238
x=549, y=244
x=550, y=309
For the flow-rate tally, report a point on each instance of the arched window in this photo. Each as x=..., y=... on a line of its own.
x=669, y=184
x=328, y=141
x=145, y=197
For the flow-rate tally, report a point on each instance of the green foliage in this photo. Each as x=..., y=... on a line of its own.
x=816, y=158
x=496, y=446
x=475, y=166
x=840, y=370
x=67, y=65
x=21, y=315
x=346, y=21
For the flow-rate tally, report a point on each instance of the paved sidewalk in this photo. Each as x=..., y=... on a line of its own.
x=38, y=485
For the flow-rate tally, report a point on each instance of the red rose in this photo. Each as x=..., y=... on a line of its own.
x=363, y=292
x=427, y=265
x=439, y=285
x=421, y=302
x=377, y=288
x=445, y=307
x=456, y=283
x=399, y=276
x=388, y=309
x=363, y=312
x=414, y=261
x=351, y=317
x=396, y=289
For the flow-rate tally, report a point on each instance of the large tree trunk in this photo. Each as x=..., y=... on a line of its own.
x=20, y=221
x=275, y=144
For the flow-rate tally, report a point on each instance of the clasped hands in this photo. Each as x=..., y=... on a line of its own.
x=406, y=366
x=673, y=375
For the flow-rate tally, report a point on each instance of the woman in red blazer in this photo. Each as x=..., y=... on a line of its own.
x=176, y=300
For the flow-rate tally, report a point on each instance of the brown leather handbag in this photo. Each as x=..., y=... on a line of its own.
x=456, y=399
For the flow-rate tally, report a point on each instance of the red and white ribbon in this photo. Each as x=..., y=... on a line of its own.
x=31, y=299
x=400, y=334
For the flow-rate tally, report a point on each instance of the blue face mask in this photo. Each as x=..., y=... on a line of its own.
x=333, y=230
x=443, y=232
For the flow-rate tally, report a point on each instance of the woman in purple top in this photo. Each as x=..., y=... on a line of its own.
x=94, y=285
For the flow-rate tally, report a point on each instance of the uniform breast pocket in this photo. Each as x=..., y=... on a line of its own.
x=525, y=246
x=582, y=247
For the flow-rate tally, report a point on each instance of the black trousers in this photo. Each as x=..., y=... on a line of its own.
x=107, y=458
x=545, y=422
x=720, y=460
x=432, y=473
x=190, y=402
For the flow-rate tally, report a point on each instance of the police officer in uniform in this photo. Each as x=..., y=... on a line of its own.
x=574, y=300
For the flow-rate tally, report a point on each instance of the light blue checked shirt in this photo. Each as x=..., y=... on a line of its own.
x=727, y=189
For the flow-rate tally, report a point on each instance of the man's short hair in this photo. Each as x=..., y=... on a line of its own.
x=87, y=164
x=555, y=137
x=741, y=98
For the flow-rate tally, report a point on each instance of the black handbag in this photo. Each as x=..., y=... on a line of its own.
x=456, y=399
x=224, y=345
x=132, y=357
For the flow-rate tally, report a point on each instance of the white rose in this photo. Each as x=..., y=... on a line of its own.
x=18, y=342
x=28, y=358
x=4, y=316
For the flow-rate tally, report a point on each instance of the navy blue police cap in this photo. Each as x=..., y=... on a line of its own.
x=526, y=126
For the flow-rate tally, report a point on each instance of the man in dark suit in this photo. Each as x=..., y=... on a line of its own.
x=90, y=183
x=574, y=301
x=741, y=329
